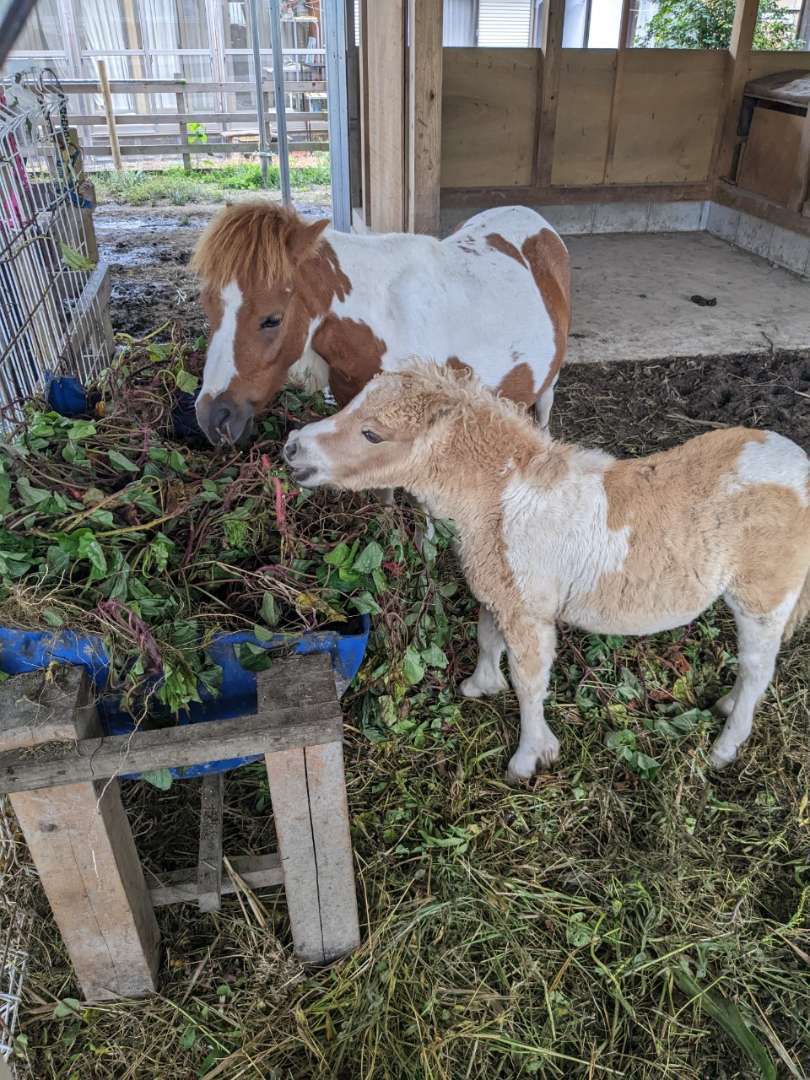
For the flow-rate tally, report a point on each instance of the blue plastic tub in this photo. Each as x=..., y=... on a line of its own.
x=33, y=650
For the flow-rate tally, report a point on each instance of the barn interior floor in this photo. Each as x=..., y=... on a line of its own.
x=632, y=299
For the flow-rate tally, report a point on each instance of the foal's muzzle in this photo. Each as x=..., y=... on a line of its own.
x=223, y=421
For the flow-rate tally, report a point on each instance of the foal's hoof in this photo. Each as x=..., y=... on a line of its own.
x=721, y=759
x=475, y=688
x=524, y=764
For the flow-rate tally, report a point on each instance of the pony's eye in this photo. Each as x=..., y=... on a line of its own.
x=271, y=322
x=372, y=436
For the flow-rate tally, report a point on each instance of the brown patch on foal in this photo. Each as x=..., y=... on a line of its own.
x=518, y=385
x=500, y=243
x=673, y=502
x=455, y=364
x=354, y=355
x=547, y=258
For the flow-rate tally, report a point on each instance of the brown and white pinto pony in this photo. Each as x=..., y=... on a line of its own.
x=288, y=301
x=554, y=533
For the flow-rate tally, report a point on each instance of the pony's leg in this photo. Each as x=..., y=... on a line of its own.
x=758, y=640
x=542, y=407
x=529, y=665
x=385, y=495
x=487, y=677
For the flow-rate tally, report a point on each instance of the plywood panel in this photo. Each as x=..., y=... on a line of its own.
x=489, y=105
x=769, y=63
x=668, y=111
x=771, y=154
x=583, y=111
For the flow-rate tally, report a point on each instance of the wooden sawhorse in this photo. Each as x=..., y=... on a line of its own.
x=59, y=772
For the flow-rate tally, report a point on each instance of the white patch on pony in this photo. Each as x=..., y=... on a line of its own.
x=310, y=372
x=220, y=364
x=777, y=460
x=558, y=537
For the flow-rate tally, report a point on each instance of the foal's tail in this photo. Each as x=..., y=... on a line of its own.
x=800, y=612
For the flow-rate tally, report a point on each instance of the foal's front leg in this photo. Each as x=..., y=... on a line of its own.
x=531, y=647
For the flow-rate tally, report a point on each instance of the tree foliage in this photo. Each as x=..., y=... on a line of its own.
x=706, y=24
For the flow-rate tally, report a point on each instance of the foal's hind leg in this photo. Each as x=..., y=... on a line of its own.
x=487, y=677
x=758, y=640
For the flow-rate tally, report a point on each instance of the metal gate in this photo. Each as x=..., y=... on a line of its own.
x=53, y=290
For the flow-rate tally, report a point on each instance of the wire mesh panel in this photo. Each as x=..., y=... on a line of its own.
x=53, y=291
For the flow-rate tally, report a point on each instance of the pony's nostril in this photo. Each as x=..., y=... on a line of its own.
x=221, y=413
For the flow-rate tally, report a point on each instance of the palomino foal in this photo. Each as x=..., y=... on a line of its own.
x=287, y=301
x=554, y=533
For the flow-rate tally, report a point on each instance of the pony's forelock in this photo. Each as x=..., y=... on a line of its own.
x=251, y=240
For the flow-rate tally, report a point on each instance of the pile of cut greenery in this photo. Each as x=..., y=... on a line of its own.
x=111, y=524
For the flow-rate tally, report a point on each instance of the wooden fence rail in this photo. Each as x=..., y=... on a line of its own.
x=124, y=142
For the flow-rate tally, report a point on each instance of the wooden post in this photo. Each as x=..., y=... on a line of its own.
x=740, y=46
x=618, y=86
x=112, y=131
x=364, y=132
x=425, y=20
x=385, y=41
x=551, y=45
x=81, y=843
x=209, y=865
x=180, y=98
x=800, y=188
x=308, y=793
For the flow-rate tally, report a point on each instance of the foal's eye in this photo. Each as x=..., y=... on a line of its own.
x=271, y=322
x=372, y=436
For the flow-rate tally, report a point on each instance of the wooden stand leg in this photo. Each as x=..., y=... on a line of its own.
x=82, y=846
x=209, y=866
x=81, y=843
x=308, y=792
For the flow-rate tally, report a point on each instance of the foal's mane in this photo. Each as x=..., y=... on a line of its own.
x=250, y=240
x=462, y=392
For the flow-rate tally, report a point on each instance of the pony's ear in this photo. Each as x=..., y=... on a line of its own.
x=304, y=239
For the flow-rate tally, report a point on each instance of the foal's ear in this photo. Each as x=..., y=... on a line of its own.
x=304, y=239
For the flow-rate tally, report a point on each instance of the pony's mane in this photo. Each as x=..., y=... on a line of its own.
x=249, y=240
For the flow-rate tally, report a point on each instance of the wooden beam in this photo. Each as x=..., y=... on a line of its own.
x=181, y=886
x=82, y=846
x=618, y=87
x=180, y=99
x=566, y=194
x=106, y=97
x=551, y=46
x=315, y=719
x=386, y=115
x=800, y=188
x=740, y=47
x=425, y=22
x=209, y=864
x=35, y=709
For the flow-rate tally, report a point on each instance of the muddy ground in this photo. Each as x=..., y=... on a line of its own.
x=627, y=408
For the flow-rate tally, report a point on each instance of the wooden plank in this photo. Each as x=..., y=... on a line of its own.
x=799, y=191
x=386, y=116
x=552, y=48
x=761, y=62
x=478, y=198
x=209, y=865
x=769, y=164
x=791, y=87
x=40, y=707
x=425, y=20
x=583, y=115
x=740, y=48
x=618, y=89
x=728, y=194
x=162, y=149
x=180, y=886
x=171, y=86
x=82, y=846
x=489, y=111
x=667, y=115
x=334, y=862
x=106, y=98
x=180, y=99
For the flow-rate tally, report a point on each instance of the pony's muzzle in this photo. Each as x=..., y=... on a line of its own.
x=224, y=421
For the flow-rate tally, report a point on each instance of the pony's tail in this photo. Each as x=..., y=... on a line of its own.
x=800, y=612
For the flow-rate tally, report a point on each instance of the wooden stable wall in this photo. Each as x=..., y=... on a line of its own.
x=552, y=125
